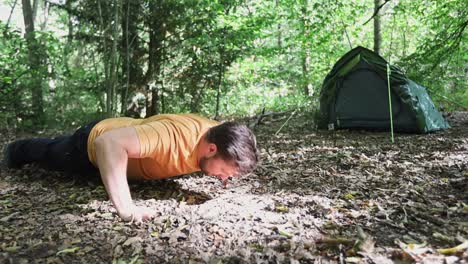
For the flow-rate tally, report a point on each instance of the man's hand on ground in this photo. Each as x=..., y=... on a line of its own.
x=138, y=214
x=113, y=149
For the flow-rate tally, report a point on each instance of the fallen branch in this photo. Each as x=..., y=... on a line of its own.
x=433, y=219
x=336, y=241
x=285, y=122
x=264, y=115
x=9, y=217
x=259, y=119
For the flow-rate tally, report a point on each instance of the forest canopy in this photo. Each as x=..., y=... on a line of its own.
x=68, y=61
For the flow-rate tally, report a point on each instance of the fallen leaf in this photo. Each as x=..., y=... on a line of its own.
x=450, y=251
x=132, y=240
x=353, y=260
x=286, y=234
x=68, y=250
x=281, y=208
x=12, y=249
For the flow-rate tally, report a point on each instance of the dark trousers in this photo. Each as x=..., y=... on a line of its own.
x=64, y=153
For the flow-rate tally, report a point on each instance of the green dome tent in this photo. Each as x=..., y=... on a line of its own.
x=355, y=95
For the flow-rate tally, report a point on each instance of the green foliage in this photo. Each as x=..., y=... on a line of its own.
x=13, y=71
x=252, y=54
x=439, y=61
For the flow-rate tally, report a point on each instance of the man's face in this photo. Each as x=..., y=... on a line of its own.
x=217, y=167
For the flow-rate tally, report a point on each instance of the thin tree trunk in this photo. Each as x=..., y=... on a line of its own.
x=126, y=67
x=68, y=4
x=220, y=75
x=305, y=73
x=68, y=47
x=346, y=34
x=197, y=93
x=305, y=50
x=377, y=35
x=114, y=61
x=131, y=51
x=152, y=56
x=156, y=39
x=34, y=63
x=97, y=83
x=109, y=59
x=390, y=49
x=279, y=26
x=148, y=101
x=105, y=58
x=404, y=38
x=161, y=78
x=155, y=101
x=163, y=100
x=218, y=92
x=46, y=16
x=11, y=12
x=35, y=6
x=222, y=63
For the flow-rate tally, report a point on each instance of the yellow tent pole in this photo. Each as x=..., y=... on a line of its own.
x=390, y=101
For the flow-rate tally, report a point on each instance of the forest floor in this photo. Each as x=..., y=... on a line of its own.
x=317, y=197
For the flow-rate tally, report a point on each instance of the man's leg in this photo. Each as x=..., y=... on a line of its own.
x=63, y=153
x=25, y=151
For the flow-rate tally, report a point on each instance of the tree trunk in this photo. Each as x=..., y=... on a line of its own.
x=152, y=74
x=220, y=73
x=279, y=26
x=307, y=87
x=157, y=36
x=132, y=52
x=67, y=49
x=218, y=92
x=104, y=33
x=46, y=15
x=34, y=63
x=196, y=92
x=163, y=100
x=305, y=49
x=224, y=62
x=35, y=6
x=377, y=35
x=126, y=53
x=404, y=40
x=110, y=55
x=68, y=4
x=113, y=61
x=155, y=101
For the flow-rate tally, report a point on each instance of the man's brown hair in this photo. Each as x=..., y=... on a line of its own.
x=235, y=142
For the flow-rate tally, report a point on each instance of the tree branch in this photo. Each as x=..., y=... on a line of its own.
x=376, y=11
x=11, y=12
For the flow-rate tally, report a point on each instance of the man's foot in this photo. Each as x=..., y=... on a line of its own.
x=7, y=160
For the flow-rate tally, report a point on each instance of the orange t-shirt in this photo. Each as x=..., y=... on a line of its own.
x=167, y=143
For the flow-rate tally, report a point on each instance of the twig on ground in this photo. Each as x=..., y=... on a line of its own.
x=285, y=122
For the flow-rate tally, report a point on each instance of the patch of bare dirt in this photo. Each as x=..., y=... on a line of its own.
x=317, y=197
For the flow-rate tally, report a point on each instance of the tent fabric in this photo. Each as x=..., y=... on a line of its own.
x=355, y=95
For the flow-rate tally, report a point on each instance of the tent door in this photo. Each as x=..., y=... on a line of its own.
x=362, y=98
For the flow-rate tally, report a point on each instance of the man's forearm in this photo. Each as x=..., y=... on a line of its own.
x=112, y=162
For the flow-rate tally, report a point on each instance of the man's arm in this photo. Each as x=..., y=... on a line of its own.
x=113, y=148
